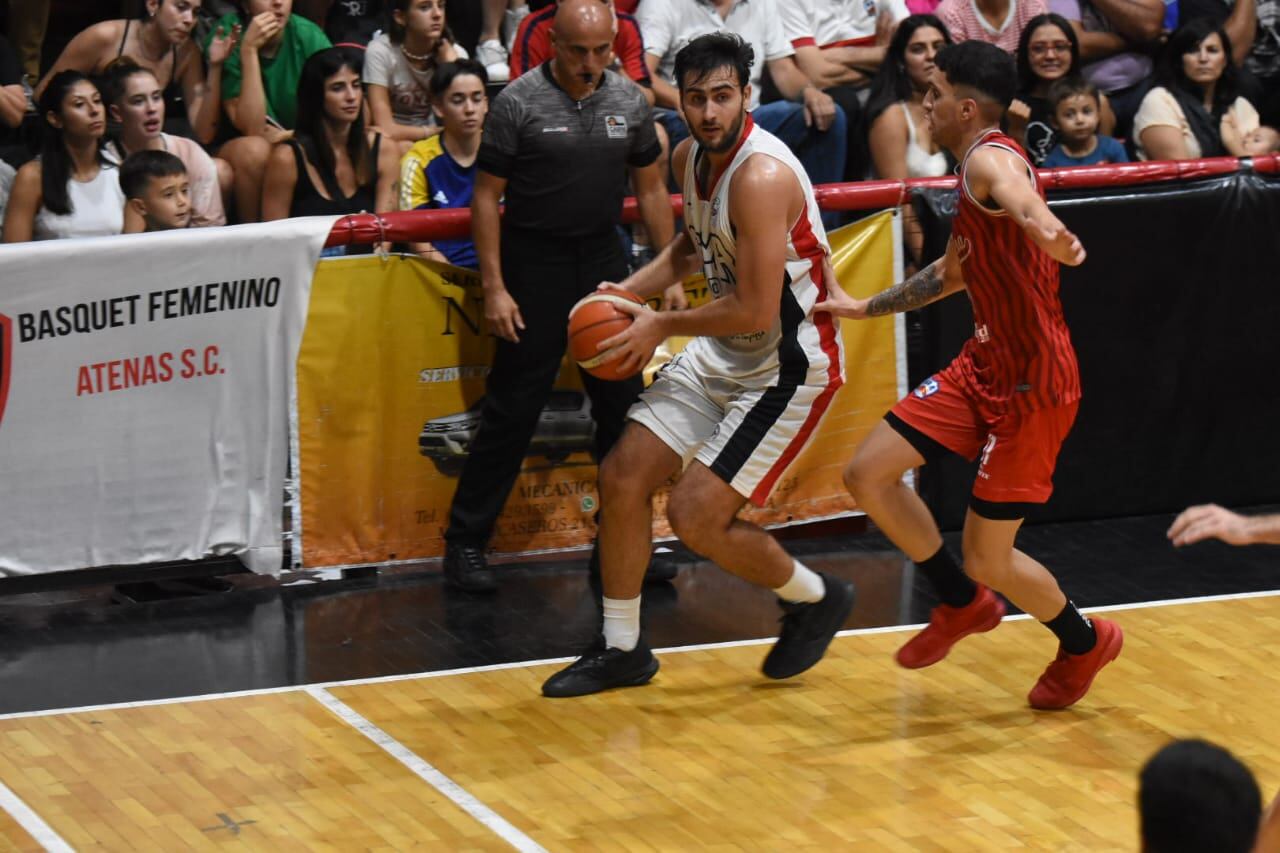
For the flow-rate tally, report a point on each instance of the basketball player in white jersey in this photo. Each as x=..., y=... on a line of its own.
x=740, y=402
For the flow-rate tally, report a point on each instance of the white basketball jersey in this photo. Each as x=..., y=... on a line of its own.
x=797, y=342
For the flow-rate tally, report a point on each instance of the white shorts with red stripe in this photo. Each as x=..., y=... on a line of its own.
x=746, y=434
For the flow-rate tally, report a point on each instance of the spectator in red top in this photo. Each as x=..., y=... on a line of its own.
x=532, y=45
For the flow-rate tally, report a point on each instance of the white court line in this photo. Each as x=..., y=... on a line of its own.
x=468, y=670
x=31, y=822
x=433, y=777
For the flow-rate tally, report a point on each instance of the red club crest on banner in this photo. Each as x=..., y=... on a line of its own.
x=6, y=360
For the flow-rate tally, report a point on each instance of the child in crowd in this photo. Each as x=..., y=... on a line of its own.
x=440, y=172
x=398, y=67
x=135, y=100
x=1077, y=109
x=1263, y=140
x=158, y=191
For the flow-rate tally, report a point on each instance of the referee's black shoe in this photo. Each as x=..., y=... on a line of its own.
x=465, y=568
x=807, y=629
x=603, y=668
x=660, y=569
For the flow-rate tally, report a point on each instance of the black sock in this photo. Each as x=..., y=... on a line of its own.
x=1073, y=630
x=952, y=585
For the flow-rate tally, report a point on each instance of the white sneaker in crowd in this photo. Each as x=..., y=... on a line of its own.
x=493, y=56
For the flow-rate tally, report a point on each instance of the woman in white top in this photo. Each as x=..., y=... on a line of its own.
x=1195, y=110
x=901, y=146
x=135, y=100
x=398, y=66
x=71, y=190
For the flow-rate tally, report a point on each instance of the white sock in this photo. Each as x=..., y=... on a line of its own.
x=621, y=623
x=805, y=586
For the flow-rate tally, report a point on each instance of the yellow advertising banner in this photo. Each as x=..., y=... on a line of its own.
x=391, y=377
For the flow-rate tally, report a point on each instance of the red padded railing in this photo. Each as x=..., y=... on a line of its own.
x=411, y=225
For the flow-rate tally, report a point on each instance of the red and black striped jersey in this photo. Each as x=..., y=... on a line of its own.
x=1020, y=357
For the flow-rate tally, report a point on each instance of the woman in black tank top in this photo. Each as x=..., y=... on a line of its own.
x=334, y=165
x=174, y=108
x=160, y=42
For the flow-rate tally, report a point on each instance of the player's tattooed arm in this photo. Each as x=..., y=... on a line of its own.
x=929, y=285
x=918, y=290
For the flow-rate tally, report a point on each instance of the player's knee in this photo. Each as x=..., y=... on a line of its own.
x=689, y=520
x=862, y=475
x=615, y=486
x=986, y=567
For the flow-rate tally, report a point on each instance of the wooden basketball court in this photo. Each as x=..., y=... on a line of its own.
x=856, y=754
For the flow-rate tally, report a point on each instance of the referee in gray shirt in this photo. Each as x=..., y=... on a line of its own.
x=558, y=145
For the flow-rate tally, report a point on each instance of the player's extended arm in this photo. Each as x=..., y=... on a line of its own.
x=765, y=199
x=936, y=281
x=1210, y=521
x=1002, y=176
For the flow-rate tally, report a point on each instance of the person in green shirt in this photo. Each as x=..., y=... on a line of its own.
x=259, y=87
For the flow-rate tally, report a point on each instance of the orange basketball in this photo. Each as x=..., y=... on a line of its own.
x=592, y=320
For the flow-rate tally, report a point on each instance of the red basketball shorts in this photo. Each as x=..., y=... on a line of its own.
x=1018, y=452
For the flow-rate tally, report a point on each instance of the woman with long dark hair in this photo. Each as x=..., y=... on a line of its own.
x=1195, y=109
x=399, y=65
x=901, y=145
x=71, y=190
x=260, y=88
x=160, y=42
x=900, y=142
x=1048, y=51
x=333, y=165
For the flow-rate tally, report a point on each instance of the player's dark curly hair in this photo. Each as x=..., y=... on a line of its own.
x=891, y=83
x=708, y=53
x=982, y=67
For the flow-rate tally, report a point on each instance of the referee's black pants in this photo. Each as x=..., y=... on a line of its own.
x=545, y=275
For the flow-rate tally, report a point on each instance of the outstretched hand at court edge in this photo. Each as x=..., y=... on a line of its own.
x=1210, y=521
x=1063, y=246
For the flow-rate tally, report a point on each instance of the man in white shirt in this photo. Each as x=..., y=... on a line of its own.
x=839, y=45
x=808, y=120
x=841, y=42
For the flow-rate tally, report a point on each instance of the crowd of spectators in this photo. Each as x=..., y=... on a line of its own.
x=270, y=119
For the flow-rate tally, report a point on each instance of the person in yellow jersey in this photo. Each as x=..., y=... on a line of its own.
x=440, y=171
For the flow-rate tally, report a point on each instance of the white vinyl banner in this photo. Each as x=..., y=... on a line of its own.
x=145, y=383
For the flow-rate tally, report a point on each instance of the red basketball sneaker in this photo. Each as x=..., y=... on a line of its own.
x=1068, y=678
x=948, y=626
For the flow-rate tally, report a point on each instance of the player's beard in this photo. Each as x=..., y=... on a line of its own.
x=730, y=138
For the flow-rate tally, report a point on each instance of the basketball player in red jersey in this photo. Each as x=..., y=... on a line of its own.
x=1010, y=397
